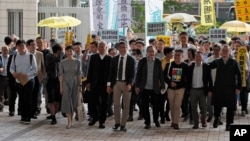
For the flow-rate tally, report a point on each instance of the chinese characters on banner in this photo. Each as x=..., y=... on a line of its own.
x=207, y=12
x=215, y=35
x=110, y=35
x=242, y=10
x=242, y=60
x=153, y=13
x=124, y=13
x=156, y=28
x=166, y=39
x=99, y=17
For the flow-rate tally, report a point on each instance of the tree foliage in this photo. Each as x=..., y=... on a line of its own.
x=138, y=22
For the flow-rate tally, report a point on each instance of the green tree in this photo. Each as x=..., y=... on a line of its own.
x=138, y=22
x=172, y=6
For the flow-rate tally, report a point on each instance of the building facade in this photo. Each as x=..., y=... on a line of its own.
x=20, y=17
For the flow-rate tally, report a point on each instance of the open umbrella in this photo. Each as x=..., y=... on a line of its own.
x=235, y=26
x=59, y=22
x=180, y=18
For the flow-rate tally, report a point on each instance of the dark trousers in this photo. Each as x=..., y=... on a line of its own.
x=13, y=96
x=4, y=89
x=186, y=106
x=135, y=99
x=244, y=98
x=162, y=104
x=230, y=112
x=25, y=95
x=98, y=104
x=110, y=104
x=35, y=95
x=167, y=104
x=147, y=97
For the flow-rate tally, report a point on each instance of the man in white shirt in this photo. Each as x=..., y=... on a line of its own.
x=183, y=37
x=4, y=57
x=24, y=68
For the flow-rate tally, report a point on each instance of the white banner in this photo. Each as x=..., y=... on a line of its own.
x=153, y=13
x=110, y=35
x=215, y=35
x=124, y=13
x=99, y=16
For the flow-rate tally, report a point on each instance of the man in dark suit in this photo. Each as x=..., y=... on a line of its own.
x=150, y=82
x=96, y=84
x=199, y=85
x=121, y=75
x=227, y=86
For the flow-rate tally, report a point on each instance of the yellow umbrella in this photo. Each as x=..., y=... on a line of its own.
x=59, y=22
x=180, y=18
x=235, y=26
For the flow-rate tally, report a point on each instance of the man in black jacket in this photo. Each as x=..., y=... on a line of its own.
x=150, y=82
x=121, y=75
x=96, y=84
x=199, y=85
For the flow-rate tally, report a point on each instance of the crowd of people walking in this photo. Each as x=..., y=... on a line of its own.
x=193, y=79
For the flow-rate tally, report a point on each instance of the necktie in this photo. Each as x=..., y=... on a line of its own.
x=120, y=69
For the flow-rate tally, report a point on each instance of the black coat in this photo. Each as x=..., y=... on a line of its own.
x=141, y=77
x=94, y=72
x=206, y=77
x=228, y=79
x=129, y=70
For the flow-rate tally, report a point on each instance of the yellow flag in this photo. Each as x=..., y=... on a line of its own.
x=242, y=60
x=242, y=10
x=166, y=39
x=207, y=12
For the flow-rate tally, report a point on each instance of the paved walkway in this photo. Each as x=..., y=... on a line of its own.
x=41, y=130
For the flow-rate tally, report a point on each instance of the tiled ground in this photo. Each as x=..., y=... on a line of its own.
x=41, y=130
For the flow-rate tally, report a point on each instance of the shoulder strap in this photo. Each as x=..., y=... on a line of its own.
x=14, y=59
x=31, y=57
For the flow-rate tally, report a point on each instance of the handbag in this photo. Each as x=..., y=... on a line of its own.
x=80, y=108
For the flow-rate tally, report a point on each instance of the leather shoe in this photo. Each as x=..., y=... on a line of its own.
x=140, y=117
x=204, y=124
x=176, y=126
x=147, y=126
x=101, y=126
x=49, y=117
x=216, y=123
x=227, y=127
x=196, y=126
x=209, y=119
x=116, y=126
x=53, y=122
x=11, y=114
x=34, y=117
x=123, y=128
x=157, y=124
x=163, y=121
x=92, y=122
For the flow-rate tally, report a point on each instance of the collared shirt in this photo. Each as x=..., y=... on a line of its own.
x=150, y=74
x=22, y=65
x=102, y=56
x=185, y=50
x=78, y=57
x=197, y=76
x=4, y=62
x=124, y=67
x=213, y=71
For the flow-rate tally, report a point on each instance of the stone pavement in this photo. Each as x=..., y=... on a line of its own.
x=41, y=130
